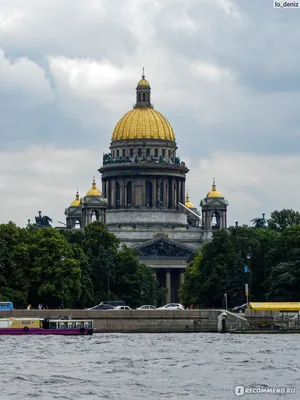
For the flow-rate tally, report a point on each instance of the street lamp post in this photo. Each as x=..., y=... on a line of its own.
x=249, y=256
x=62, y=283
x=225, y=297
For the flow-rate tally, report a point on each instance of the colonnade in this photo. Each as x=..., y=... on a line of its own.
x=160, y=192
x=172, y=279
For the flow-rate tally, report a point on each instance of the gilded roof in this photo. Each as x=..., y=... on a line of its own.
x=143, y=123
x=93, y=191
x=143, y=82
x=188, y=203
x=214, y=192
x=76, y=202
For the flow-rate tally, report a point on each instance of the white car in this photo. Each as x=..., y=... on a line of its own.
x=122, y=308
x=147, y=307
x=171, y=306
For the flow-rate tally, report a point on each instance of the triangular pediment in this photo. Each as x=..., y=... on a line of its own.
x=96, y=201
x=162, y=247
x=73, y=212
x=215, y=203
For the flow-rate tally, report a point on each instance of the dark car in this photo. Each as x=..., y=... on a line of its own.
x=240, y=309
x=102, y=307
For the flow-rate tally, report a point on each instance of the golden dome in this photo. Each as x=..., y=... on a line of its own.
x=93, y=191
x=76, y=202
x=188, y=204
x=214, y=192
x=143, y=82
x=143, y=123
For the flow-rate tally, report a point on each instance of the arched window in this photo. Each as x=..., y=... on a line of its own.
x=144, y=96
x=118, y=195
x=139, y=97
x=94, y=216
x=215, y=220
x=129, y=194
x=148, y=194
x=77, y=224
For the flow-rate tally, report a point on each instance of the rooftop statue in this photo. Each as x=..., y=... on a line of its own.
x=259, y=223
x=42, y=221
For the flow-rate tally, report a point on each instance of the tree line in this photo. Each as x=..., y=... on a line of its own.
x=71, y=268
x=266, y=256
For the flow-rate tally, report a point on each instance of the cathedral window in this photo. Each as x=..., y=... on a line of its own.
x=161, y=194
x=118, y=195
x=129, y=194
x=148, y=194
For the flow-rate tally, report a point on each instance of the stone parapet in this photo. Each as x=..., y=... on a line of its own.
x=134, y=321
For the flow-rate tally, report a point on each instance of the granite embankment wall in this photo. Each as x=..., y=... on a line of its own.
x=134, y=321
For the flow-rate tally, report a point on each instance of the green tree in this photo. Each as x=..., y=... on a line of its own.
x=285, y=282
x=14, y=264
x=55, y=273
x=281, y=220
x=101, y=248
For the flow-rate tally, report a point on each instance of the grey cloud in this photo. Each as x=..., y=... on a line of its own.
x=251, y=107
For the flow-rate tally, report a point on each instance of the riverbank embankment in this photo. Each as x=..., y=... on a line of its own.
x=134, y=321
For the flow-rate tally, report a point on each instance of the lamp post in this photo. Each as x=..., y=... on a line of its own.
x=225, y=297
x=62, y=282
x=249, y=256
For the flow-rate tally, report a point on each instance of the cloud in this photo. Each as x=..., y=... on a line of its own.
x=225, y=74
x=23, y=83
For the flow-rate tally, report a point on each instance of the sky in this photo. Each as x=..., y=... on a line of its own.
x=224, y=73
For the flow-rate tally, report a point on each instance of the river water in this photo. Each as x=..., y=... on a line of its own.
x=147, y=366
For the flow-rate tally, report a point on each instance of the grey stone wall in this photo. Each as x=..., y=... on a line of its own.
x=145, y=216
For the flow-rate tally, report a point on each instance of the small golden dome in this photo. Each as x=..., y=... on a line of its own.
x=143, y=123
x=76, y=202
x=214, y=192
x=93, y=191
x=188, y=204
x=143, y=82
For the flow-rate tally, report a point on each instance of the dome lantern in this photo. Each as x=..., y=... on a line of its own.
x=143, y=93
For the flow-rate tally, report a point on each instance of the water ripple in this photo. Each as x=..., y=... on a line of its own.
x=146, y=366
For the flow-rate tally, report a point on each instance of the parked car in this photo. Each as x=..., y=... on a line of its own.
x=171, y=306
x=147, y=307
x=122, y=308
x=102, y=307
x=114, y=303
x=240, y=309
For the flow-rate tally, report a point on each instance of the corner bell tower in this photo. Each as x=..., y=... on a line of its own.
x=214, y=210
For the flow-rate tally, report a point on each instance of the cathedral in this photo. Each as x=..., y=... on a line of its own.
x=143, y=199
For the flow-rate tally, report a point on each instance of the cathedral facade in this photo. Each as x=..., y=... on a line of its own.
x=143, y=200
